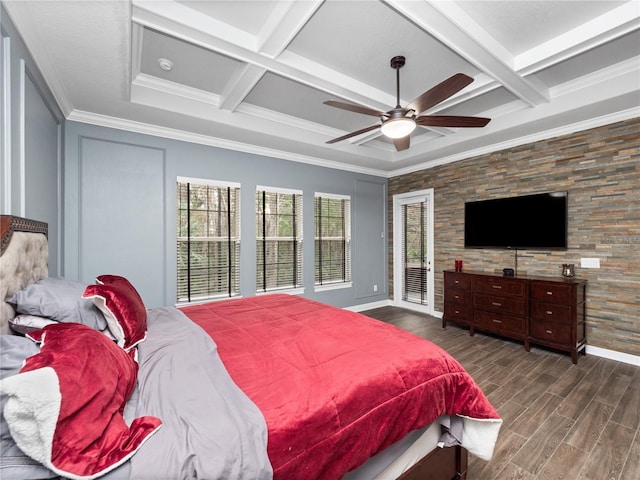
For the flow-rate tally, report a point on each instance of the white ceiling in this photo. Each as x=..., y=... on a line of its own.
x=252, y=75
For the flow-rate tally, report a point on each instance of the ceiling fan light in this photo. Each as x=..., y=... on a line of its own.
x=398, y=127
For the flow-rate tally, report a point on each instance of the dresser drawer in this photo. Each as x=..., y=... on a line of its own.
x=550, y=332
x=501, y=324
x=550, y=292
x=550, y=312
x=460, y=313
x=457, y=280
x=457, y=296
x=500, y=286
x=494, y=303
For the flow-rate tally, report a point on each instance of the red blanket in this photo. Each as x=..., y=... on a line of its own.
x=334, y=386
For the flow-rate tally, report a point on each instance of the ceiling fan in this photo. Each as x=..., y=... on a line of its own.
x=399, y=122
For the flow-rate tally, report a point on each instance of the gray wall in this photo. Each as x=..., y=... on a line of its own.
x=120, y=211
x=31, y=141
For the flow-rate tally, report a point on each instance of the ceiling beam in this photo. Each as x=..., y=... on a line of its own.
x=240, y=84
x=284, y=23
x=454, y=28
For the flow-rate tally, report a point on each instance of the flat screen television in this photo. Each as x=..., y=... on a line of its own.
x=537, y=221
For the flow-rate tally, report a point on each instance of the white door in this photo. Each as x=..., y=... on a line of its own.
x=413, y=250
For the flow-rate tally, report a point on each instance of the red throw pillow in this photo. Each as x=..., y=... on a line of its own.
x=122, y=307
x=64, y=408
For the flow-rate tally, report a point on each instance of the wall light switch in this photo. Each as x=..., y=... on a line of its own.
x=375, y=288
x=590, y=262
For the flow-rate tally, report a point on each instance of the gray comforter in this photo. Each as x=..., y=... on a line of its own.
x=211, y=429
x=215, y=431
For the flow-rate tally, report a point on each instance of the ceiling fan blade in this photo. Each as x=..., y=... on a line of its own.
x=353, y=134
x=440, y=92
x=402, y=143
x=352, y=107
x=451, y=121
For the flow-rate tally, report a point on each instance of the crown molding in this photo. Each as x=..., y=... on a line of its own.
x=171, y=133
x=164, y=132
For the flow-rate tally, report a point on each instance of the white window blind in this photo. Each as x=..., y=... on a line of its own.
x=208, y=240
x=332, y=239
x=278, y=239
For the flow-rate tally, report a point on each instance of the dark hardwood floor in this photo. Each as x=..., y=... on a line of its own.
x=561, y=421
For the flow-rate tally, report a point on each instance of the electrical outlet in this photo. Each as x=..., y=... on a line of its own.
x=590, y=262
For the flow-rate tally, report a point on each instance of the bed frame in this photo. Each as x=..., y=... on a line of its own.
x=449, y=463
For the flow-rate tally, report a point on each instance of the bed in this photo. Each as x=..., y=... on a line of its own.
x=272, y=386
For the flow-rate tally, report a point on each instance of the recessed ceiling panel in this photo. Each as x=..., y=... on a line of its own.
x=280, y=94
x=520, y=25
x=622, y=49
x=193, y=66
x=359, y=39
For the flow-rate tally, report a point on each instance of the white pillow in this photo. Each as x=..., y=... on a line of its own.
x=28, y=323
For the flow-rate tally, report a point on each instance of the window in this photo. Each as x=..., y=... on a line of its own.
x=332, y=239
x=278, y=239
x=208, y=234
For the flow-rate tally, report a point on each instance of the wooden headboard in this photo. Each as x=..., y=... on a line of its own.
x=24, y=257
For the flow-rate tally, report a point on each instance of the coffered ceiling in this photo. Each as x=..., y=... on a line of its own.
x=253, y=75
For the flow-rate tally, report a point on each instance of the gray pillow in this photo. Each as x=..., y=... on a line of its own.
x=14, y=464
x=60, y=300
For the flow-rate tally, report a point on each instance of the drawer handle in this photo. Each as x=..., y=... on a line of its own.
x=456, y=296
x=496, y=286
x=496, y=321
x=456, y=311
x=497, y=304
x=549, y=293
x=456, y=281
x=549, y=312
x=549, y=332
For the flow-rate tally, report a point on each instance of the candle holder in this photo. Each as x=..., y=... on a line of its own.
x=568, y=270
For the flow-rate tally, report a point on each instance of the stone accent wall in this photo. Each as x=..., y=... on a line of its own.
x=600, y=168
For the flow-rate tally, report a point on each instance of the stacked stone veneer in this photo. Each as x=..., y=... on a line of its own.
x=600, y=168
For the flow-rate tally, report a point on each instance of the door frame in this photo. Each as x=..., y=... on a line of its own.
x=399, y=200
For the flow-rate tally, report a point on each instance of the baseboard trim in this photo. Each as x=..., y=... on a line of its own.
x=614, y=355
x=369, y=306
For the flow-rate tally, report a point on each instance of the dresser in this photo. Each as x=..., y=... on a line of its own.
x=547, y=311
